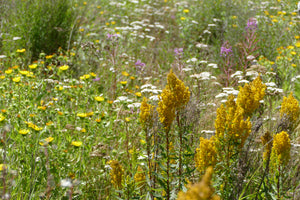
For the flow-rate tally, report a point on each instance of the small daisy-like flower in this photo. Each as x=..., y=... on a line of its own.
x=2, y=118
x=46, y=141
x=24, y=72
x=33, y=66
x=98, y=120
x=16, y=79
x=123, y=82
x=124, y=73
x=64, y=67
x=21, y=50
x=138, y=94
x=82, y=115
x=9, y=71
x=186, y=10
x=24, y=131
x=99, y=98
x=76, y=143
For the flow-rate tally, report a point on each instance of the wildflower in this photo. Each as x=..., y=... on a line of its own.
x=24, y=131
x=290, y=108
x=123, y=82
x=206, y=154
x=127, y=119
x=46, y=141
x=85, y=77
x=146, y=112
x=49, y=56
x=96, y=79
x=226, y=49
x=24, y=72
x=280, y=154
x=2, y=118
x=81, y=115
x=178, y=51
x=66, y=183
x=33, y=66
x=124, y=73
x=140, y=176
x=9, y=71
x=200, y=191
x=182, y=18
x=250, y=95
x=34, y=127
x=116, y=173
x=64, y=67
x=251, y=24
x=21, y=50
x=2, y=167
x=76, y=143
x=16, y=79
x=138, y=94
x=266, y=140
x=186, y=10
x=99, y=98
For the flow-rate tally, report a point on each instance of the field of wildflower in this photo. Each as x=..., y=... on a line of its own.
x=150, y=99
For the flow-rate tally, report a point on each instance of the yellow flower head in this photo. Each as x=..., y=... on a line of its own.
x=206, y=154
x=281, y=149
x=24, y=131
x=33, y=66
x=266, y=140
x=116, y=173
x=140, y=176
x=76, y=143
x=82, y=115
x=16, y=79
x=202, y=190
x=21, y=50
x=63, y=68
x=46, y=141
x=99, y=98
x=250, y=95
x=290, y=108
x=9, y=71
x=146, y=113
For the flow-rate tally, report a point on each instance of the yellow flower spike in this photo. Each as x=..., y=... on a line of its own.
x=24, y=131
x=280, y=154
x=267, y=142
x=64, y=68
x=99, y=98
x=140, y=176
x=250, y=95
x=290, y=108
x=205, y=154
x=76, y=143
x=200, y=191
x=116, y=174
x=146, y=113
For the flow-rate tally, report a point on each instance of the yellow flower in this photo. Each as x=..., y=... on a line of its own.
x=182, y=18
x=146, y=113
x=46, y=141
x=84, y=77
x=49, y=123
x=234, y=17
x=93, y=74
x=64, y=67
x=293, y=53
x=123, y=82
x=132, y=77
x=250, y=95
x=99, y=98
x=24, y=72
x=266, y=140
x=2, y=77
x=274, y=20
x=82, y=115
x=281, y=149
x=2, y=118
x=116, y=174
x=9, y=71
x=140, y=176
x=127, y=119
x=83, y=130
x=297, y=44
x=76, y=143
x=290, y=108
x=33, y=66
x=186, y=10
x=2, y=167
x=34, y=127
x=113, y=22
x=200, y=191
x=23, y=131
x=49, y=56
x=206, y=154
x=21, y=50
x=98, y=120
x=16, y=79
x=124, y=73
x=138, y=94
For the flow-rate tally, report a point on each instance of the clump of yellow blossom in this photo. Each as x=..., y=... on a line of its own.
x=46, y=141
x=24, y=131
x=250, y=95
x=140, y=176
x=266, y=140
x=64, y=67
x=173, y=97
x=290, y=108
x=76, y=143
x=116, y=173
x=146, y=113
x=206, y=154
x=280, y=154
x=231, y=128
x=200, y=191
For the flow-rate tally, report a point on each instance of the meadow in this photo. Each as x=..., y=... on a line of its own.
x=150, y=99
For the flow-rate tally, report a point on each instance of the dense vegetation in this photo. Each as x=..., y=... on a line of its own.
x=149, y=99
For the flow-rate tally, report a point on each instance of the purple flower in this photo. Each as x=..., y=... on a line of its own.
x=178, y=51
x=139, y=63
x=251, y=24
x=109, y=36
x=226, y=49
x=96, y=79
